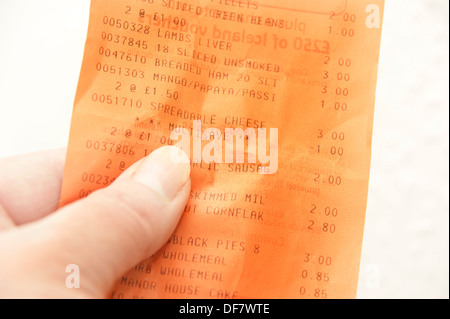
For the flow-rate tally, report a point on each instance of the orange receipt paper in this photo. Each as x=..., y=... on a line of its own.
x=298, y=77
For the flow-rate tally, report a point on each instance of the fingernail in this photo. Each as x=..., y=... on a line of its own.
x=166, y=170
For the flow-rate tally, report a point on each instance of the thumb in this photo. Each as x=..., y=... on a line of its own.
x=115, y=228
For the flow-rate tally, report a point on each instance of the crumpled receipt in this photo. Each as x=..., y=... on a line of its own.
x=274, y=103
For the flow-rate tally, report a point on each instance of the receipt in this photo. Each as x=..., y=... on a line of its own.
x=283, y=218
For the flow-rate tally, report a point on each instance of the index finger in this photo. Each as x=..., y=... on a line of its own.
x=30, y=184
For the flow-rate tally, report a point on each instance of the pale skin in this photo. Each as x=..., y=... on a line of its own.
x=105, y=234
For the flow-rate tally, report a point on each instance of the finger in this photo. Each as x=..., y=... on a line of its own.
x=5, y=220
x=30, y=184
x=115, y=228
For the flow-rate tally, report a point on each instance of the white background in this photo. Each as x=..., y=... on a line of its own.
x=406, y=242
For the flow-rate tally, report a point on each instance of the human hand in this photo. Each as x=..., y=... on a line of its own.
x=104, y=234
